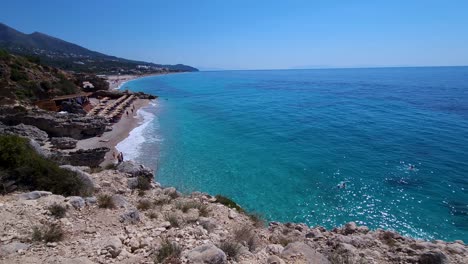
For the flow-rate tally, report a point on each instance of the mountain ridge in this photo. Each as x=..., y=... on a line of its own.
x=60, y=53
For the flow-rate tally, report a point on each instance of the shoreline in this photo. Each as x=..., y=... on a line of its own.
x=116, y=82
x=120, y=131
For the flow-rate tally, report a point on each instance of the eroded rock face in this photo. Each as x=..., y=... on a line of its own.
x=63, y=142
x=26, y=131
x=55, y=124
x=206, y=254
x=88, y=157
x=33, y=195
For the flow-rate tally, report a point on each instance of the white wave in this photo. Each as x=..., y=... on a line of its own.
x=130, y=147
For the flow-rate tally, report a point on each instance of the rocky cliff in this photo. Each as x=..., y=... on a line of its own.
x=54, y=124
x=125, y=222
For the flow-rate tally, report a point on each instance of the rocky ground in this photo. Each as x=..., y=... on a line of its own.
x=162, y=225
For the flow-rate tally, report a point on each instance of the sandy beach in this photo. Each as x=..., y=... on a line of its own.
x=119, y=132
x=116, y=81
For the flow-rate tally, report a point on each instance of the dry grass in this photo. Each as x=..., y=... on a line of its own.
x=58, y=211
x=105, y=201
x=144, y=205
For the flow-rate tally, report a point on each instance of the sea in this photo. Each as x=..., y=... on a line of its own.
x=383, y=147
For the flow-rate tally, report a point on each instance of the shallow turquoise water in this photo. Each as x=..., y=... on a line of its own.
x=279, y=142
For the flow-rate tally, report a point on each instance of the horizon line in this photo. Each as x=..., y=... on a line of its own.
x=337, y=68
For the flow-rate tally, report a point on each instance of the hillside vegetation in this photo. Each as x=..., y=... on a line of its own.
x=23, y=79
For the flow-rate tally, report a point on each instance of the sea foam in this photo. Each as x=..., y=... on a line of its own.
x=131, y=146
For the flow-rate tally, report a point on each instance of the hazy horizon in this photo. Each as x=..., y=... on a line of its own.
x=261, y=35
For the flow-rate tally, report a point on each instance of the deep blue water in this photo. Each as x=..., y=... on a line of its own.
x=279, y=142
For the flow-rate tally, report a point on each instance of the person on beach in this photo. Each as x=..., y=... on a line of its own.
x=121, y=157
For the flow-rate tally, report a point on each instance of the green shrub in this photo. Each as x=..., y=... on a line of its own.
x=231, y=249
x=32, y=171
x=228, y=202
x=246, y=235
x=161, y=201
x=185, y=206
x=168, y=251
x=105, y=201
x=57, y=210
x=172, y=219
x=4, y=54
x=143, y=183
x=257, y=219
x=17, y=75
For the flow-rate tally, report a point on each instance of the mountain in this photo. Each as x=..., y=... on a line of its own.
x=68, y=56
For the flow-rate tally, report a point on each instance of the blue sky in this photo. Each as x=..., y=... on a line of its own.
x=257, y=34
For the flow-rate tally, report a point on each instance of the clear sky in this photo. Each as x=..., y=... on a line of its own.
x=256, y=34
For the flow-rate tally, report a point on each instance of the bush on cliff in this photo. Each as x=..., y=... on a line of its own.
x=30, y=171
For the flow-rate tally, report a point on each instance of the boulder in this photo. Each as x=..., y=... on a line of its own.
x=38, y=149
x=76, y=201
x=120, y=201
x=84, y=177
x=275, y=260
x=33, y=195
x=432, y=257
x=303, y=251
x=26, y=131
x=130, y=217
x=206, y=254
x=72, y=107
x=113, y=245
x=350, y=228
x=13, y=248
x=90, y=200
x=274, y=249
x=135, y=169
x=63, y=142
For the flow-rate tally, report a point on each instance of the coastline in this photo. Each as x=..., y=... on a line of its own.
x=116, y=82
x=120, y=131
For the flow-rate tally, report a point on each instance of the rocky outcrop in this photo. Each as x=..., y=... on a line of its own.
x=72, y=107
x=162, y=224
x=26, y=131
x=63, y=142
x=54, y=124
x=135, y=170
x=88, y=157
x=206, y=254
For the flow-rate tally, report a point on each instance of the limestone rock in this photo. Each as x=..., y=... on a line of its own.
x=275, y=260
x=274, y=249
x=55, y=124
x=350, y=228
x=301, y=250
x=63, y=142
x=130, y=217
x=13, y=248
x=113, y=245
x=433, y=257
x=33, y=195
x=76, y=201
x=206, y=254
x=135, y=169
x=26, y=131
x=81, y=157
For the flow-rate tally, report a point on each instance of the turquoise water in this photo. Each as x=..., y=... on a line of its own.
x=279, y=143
